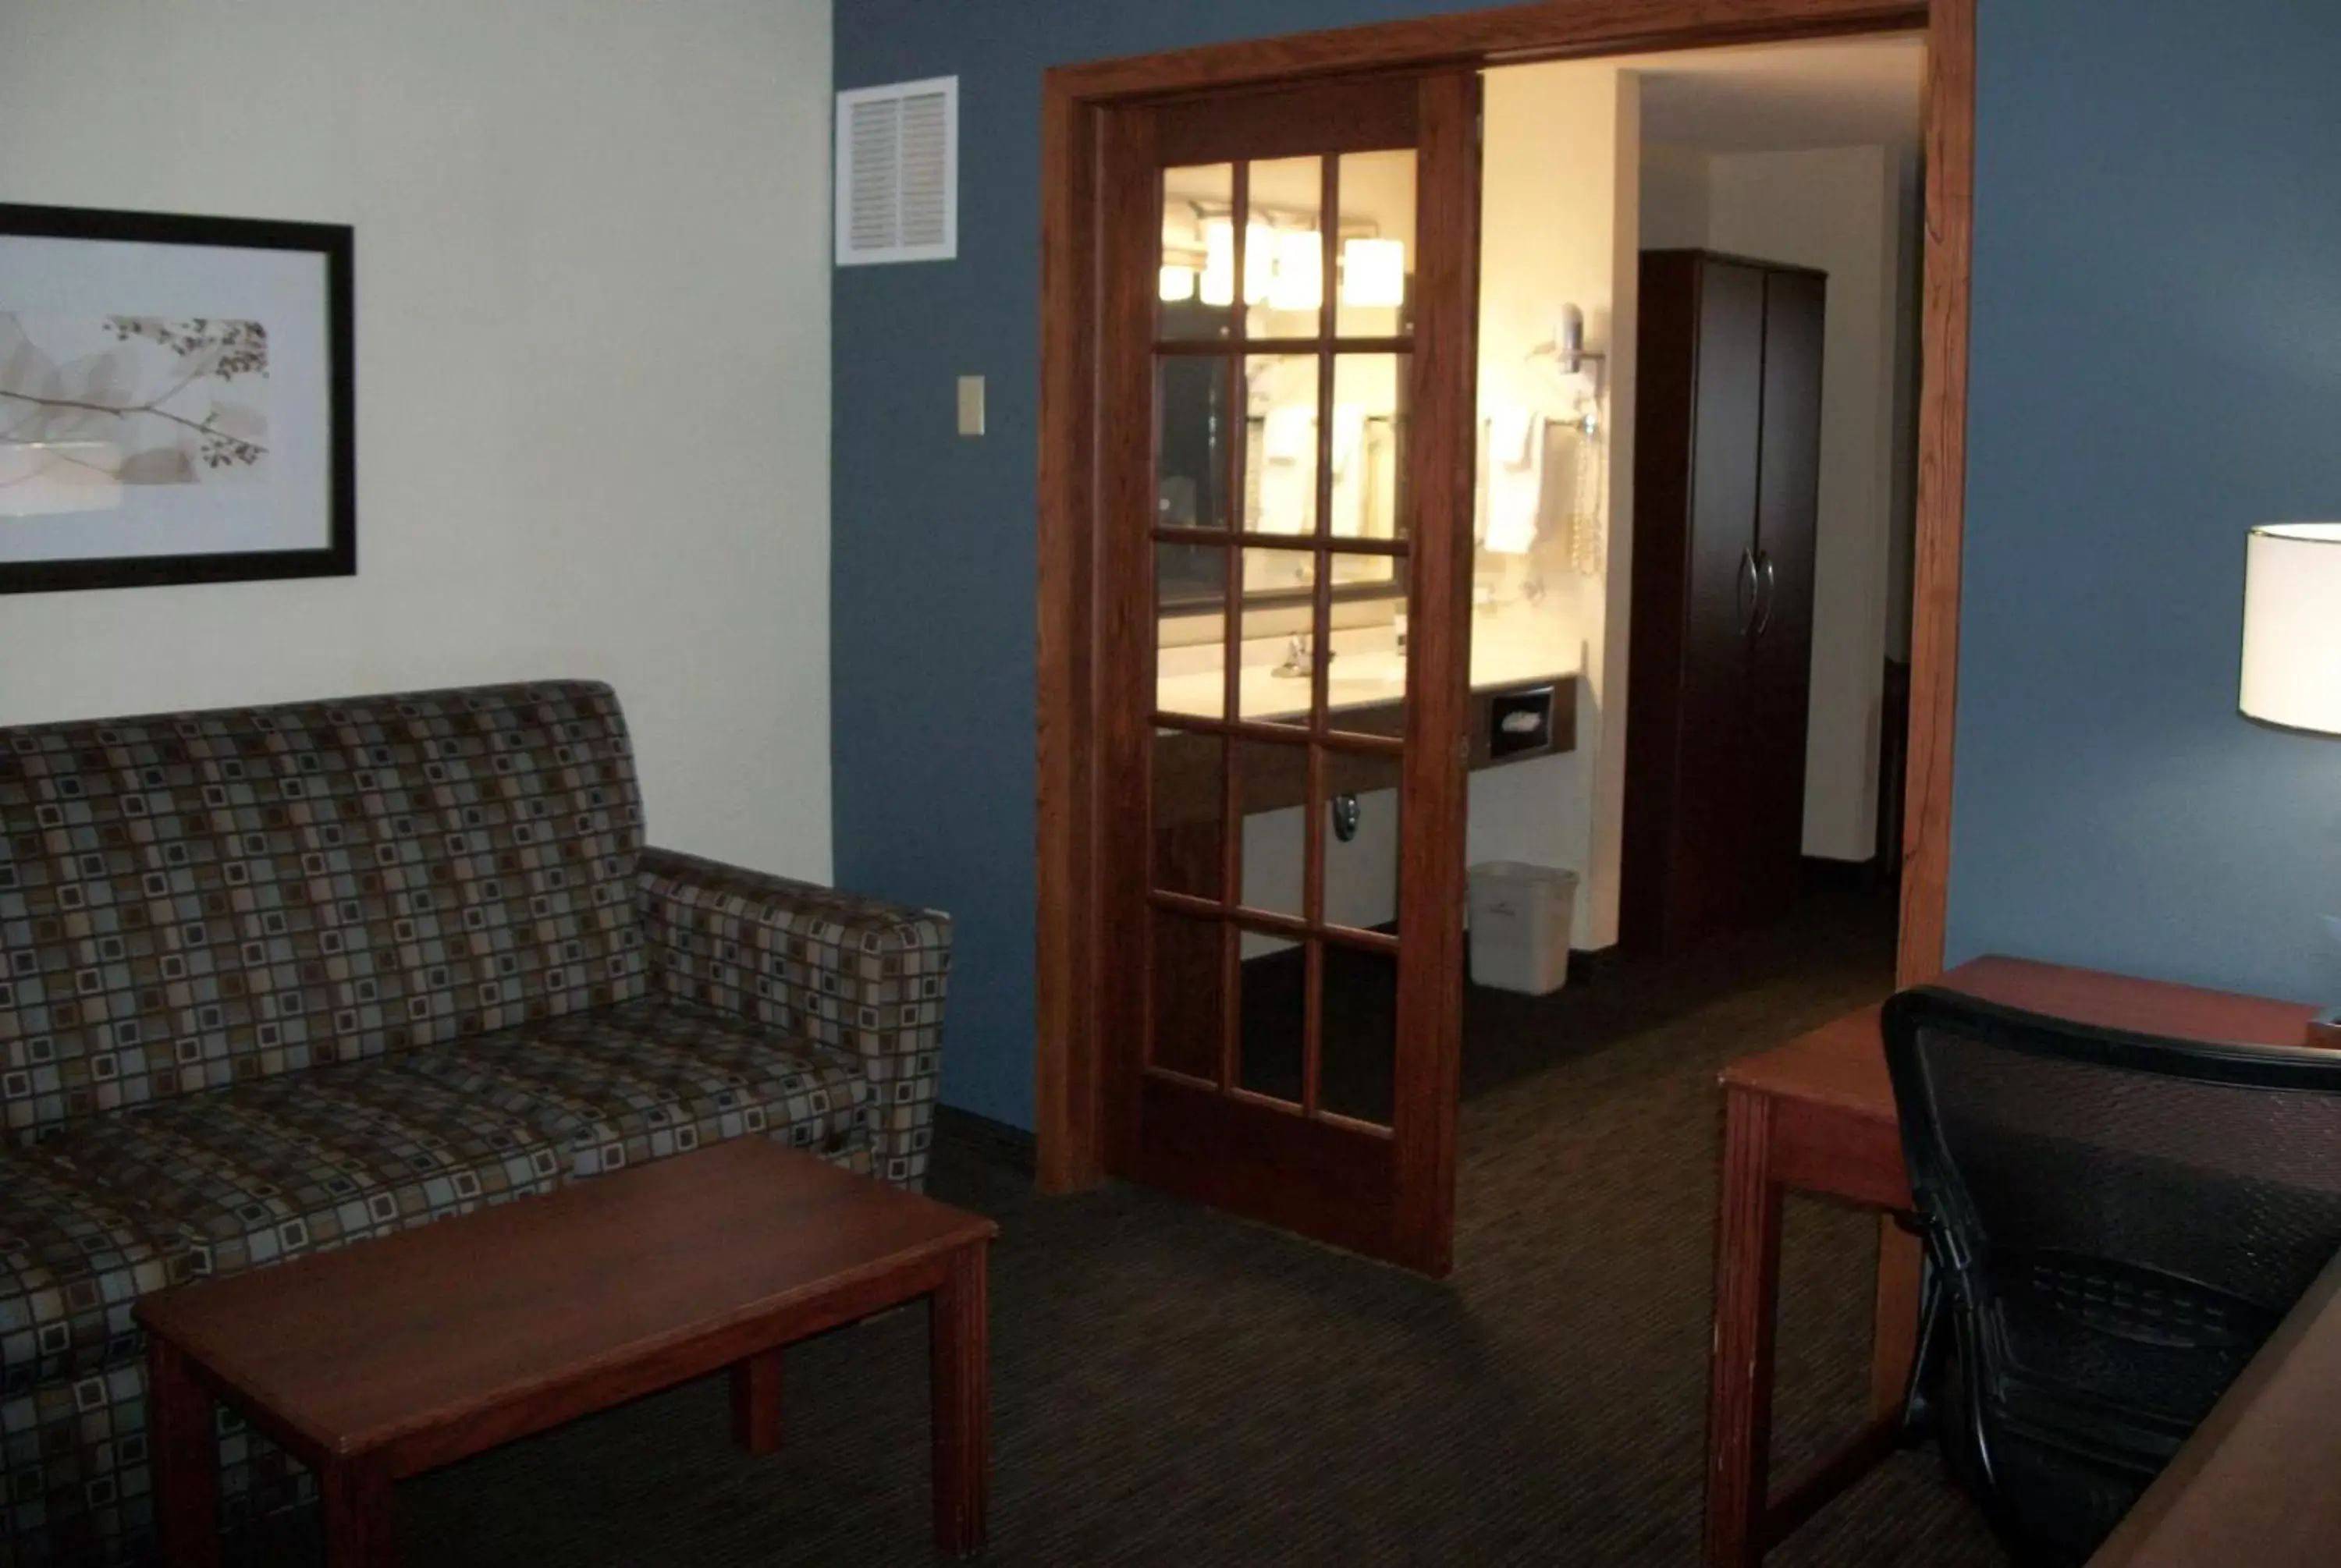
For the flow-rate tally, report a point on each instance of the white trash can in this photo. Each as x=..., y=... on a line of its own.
x=1519, y=926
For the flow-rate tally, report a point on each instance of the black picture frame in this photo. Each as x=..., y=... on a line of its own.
x=335, y=243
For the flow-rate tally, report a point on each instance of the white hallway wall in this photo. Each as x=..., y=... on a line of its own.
x=1841, y=210
x=592, y=363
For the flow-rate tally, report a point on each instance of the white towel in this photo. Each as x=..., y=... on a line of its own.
x=1513, y=499
x=1288, y=479
x=1352, y=471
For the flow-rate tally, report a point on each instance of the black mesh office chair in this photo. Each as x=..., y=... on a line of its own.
x=2113, y=1225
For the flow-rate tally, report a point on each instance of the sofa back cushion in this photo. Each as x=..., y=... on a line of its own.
x=193, y=899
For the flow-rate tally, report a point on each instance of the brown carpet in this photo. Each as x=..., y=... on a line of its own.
x=1175, y=1388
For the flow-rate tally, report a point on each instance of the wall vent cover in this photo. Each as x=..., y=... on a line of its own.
x=898, y=173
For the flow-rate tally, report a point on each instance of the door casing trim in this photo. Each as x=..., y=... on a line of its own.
x=1076, y=956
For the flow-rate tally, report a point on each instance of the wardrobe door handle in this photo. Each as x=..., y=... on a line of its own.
x=1767, y=592
x=1747, y=588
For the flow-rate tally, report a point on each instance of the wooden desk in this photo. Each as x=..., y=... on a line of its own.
x=2255, y=1484
x=1817, y=1115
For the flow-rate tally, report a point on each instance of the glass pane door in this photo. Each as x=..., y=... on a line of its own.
x=1281, y=368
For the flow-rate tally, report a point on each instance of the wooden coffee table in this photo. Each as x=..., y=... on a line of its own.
x=383, y=1360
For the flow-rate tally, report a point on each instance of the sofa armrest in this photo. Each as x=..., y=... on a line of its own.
x=852, y=974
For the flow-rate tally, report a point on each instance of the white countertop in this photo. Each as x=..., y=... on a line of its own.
x=1360, y=678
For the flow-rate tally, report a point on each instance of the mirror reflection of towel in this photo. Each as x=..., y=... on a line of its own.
x=1513, y=497
x=1288, y=480
x=1352, y=474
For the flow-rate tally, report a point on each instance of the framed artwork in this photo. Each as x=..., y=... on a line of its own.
x=176, y=400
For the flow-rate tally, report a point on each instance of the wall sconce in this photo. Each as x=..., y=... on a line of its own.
x=1178, y=283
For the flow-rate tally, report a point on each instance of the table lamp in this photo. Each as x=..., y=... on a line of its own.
x=2292, y=644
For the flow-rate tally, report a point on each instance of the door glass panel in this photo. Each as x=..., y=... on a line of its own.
x=1192, y=415
x=1273, y=781
x=1190, y=650
x=1284, y=249
x=1362, y=840
x=1377, y=249
x=1281, y=443
x=1193, y=301
x=1275, y=1009
x=1190, y=813
x=1369, y=452
x=1190, y=984
x=1277, y=644
x=1358, y=1048
x=1366, y=686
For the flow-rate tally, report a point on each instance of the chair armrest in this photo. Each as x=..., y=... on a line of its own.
x=852, y=974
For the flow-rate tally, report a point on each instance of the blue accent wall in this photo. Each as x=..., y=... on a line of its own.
x=2156, y=365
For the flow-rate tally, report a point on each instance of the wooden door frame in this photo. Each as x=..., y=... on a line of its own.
x=1077, y=958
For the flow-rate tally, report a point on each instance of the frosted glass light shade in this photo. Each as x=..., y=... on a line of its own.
x=1299, y=280
x=2292, y=626
x=1177, y=283
x=1373, y=272
x=1218, y=280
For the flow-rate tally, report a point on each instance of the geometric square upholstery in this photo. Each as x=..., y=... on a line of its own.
x=189, y=900
x=269, y=1170
x=275, y=978
x=628, y=1085
x=75, y=1258
x=846, y=974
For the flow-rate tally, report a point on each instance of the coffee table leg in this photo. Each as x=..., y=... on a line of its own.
x=185, y=1445
x=355, y=1500
x=756, y=1403
x=960, y=1363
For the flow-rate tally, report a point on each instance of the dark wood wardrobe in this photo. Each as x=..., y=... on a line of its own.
x=1727, y=480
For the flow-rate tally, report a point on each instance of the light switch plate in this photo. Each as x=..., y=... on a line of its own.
x=971, y=405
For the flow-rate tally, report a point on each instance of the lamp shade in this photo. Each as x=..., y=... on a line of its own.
x=2292, y=626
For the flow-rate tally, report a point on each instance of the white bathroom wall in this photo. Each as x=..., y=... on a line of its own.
x=1838, y=209
x=592, y=363
x=1673, y=190
x=1559, y=226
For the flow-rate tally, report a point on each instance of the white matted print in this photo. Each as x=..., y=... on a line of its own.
x=175, y=399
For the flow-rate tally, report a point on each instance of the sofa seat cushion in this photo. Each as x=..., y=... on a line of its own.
x=266, y=1171
x=640, y=1082
x=75, y=1258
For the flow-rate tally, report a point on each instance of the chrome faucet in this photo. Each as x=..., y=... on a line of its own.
x=1296, y=665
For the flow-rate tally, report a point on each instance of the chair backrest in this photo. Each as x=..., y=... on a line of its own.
x=2120, y=1220
x=192, y=899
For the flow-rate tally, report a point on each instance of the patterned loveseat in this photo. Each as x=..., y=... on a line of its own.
x=276, y=979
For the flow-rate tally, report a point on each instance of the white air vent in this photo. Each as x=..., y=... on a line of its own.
x=898, y=173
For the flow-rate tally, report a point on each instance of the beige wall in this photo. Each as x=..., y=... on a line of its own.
x=1559, y=226
x=592, y=363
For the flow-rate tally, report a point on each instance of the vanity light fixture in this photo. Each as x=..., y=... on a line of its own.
x=1373, y=272
x=1284, y=265
x=1299, y=283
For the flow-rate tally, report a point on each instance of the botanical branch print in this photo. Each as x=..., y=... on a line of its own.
x=134, y=399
